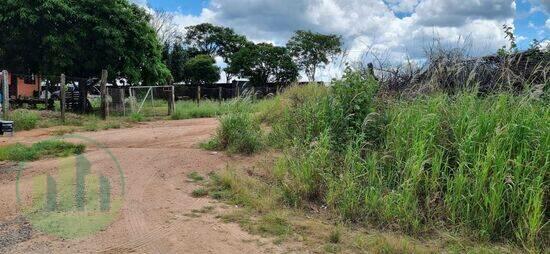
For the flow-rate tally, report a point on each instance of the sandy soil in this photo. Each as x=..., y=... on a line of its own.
x=155, y=158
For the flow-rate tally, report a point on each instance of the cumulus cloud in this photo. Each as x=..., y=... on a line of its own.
x=374, y=25
x=458, y=12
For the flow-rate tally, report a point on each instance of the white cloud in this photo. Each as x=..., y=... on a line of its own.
x=366, y=24
x=190, y=20
x=547, y=24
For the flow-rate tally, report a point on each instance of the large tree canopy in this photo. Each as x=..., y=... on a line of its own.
x=80, y=38
x=175, y=56
x=201, y=70
x=263, y=63
x=214, y=40
x=313, y=50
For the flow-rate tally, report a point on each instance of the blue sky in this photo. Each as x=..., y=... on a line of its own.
x=186, y=7
x=529, y=23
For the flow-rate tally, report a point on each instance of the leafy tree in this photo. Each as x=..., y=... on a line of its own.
x=175, y=56
x=264, y=63
x=313, y=50
x=201, y=69
x=215, y=41
x=80, y=38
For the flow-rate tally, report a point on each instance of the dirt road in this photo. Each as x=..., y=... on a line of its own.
x=156, y=158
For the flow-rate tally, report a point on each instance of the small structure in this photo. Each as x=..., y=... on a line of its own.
x=6, y=127
x=25, y=89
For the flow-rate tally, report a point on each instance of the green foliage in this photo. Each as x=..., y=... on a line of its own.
x=313, y=50
x=301, y=106
x=201, y=70
x=175, y=58
x=214, y=40
x=43, y=149
x=136, y=117
x=195, y=177
x=190, y=109
x=479, y=163
x=239, y=132
x=199, y=193
x=24, y=119
x=263, y=63
x=80, y=38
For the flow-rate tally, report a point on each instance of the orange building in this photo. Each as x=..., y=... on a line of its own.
x=24, y=87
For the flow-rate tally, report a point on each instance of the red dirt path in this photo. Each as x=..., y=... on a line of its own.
x=156, y=158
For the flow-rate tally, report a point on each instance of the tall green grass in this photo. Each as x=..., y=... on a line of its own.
x=190, y=109
x=239, y=132
x=24, y=119
x=461, y=161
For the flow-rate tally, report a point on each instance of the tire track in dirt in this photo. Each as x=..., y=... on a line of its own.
x=156, y=158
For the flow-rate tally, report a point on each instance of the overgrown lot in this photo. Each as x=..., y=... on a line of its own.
x=470, y=163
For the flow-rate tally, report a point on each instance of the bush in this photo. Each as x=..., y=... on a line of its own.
x=238, y=133
x=24, y=119
x=462, y=160
x=136, y=117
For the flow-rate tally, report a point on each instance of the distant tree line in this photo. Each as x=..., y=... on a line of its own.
x=191, y=57
x=81, y=37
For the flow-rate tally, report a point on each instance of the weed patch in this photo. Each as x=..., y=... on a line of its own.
x=476, y=163
x=24, y=119
x=199, y=193
x=195, y=177
x=43, y=149
x=238, y=133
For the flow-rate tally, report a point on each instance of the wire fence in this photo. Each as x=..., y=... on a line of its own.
x=83, y=95
x=42, y=91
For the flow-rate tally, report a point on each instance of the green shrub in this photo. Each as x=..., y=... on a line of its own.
x=43, y=149
x=198, y=193
x=24, y=119
x=238, y=133
x=463, y=160
x=136, y=117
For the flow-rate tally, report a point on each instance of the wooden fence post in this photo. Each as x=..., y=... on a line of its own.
x=199, y=95
x=172, y=106
x=220, y=94
x=5, y=94
x=132, y=100
x=104, y=106
x=122, y=97
x=62, y=97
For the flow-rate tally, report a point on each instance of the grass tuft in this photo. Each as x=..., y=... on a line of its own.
x=238, y=133
x=24, y=119
x=199, y=193
x=195, y=177
x=40, y=150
